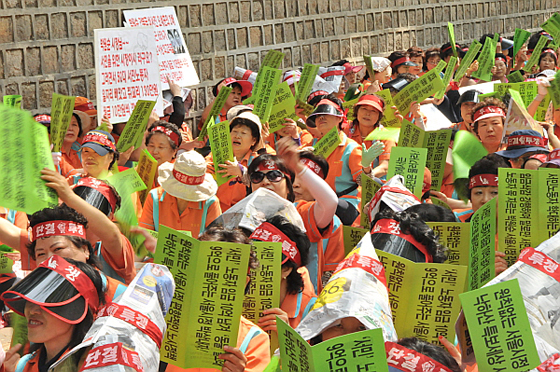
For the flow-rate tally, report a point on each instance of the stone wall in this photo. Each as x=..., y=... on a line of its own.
x=46, y=45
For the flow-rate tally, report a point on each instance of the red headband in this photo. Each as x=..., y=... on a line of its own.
x=404, y=359
x=188, y=180
x=489, y=110
x=58, y=228
x=524, y=140
x=267, y=232
x=76, y=277
x=313, y=166
x=99, y=138
x=392, y=227
x=40, y=118
x=168, y=132
x=317, y=93
x=100, y=186
x=551, y=51
x=400, y=61
x=554, y=154
x=481, y=180
x=501, y=59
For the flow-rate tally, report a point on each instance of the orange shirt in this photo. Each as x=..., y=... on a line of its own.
x=298, y=305
x=257, y=351
x=190, y=220
x=72, y=157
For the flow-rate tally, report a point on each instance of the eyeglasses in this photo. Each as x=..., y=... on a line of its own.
x=273, y=176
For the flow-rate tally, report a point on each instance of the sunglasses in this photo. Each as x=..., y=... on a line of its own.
x=273, y=176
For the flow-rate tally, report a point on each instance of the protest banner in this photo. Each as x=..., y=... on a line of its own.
x=147, y=169
x=327, y=144
x=519, y=38
x=217, y=106
x=467, y=60
x=263, y=99
x=330, y=77
x=448, y=75
x=24, y=152
x=451, y=33
x=206, y=308
x=369, y=188
x=13, y=100
x=423, y=296
x=222, y=148
x=518, y=118
x=172, y=52
x=306, y=81
x=127, y=71
x=409, y=162
x=486, y=60
x=352, y=236
x=527, y=90
x=62, y=108
x=389, y=120
x=359, y=351
x=515, y=77
x=535, y=55
x=456, y=237
x=133, y=132
x=483, y=246
x=420, y=89
x=283, y=107
x=499, y=328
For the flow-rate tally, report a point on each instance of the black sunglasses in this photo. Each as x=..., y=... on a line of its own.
x=273, y=176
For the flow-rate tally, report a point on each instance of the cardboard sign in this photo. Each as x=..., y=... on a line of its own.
x=147, y=169
x=369, y=188
x=499, y=328
x=515, y=77
x=420, y=89
x=451, y=33
x=527, y=90
x=206, y=308
x=543, y=108
x=272, y=60
x=423, y=296
x=409, y=162
x=306, y=81
x=536, y=53
x=173, y=55
x=13, y=100
x=389, y=120
x=456, y=237
x=328, y=143
x=283, y=107
x=483, y=246
x=448, y=75
x=217, y=106
x=222, y=148
x=467, y=60
x=467, y=150
x=23, y=154
x=133, y=132
x=359, y=351
x=352, y=236
x=62, y=108
x=519, y=38
x=127, y=71
x=518, y=118
x=486, y=60
x=263, y=99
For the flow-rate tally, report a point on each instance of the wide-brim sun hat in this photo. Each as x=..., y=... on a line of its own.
x=523, y=141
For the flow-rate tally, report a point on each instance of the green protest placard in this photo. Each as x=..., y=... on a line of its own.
x=423, y=296
x=554, y=90
x=519, y=38
x=307, y=108
x=327, y=144
x=441, y=203
x=483, y=246
x=359, y=351
x=552, y=27
x=447, y=77
x=217, y=106
x=549, y=192
x=410, y=135
x=499, y=328
x=133, y=132
x=267, y=92
x=527, y=90
x=352, y=236
x=222, y=149
x=24, y=152
x=369, y=188
x=451, y=33
x=61, y=115
x=389, y=120
x=418, y=90
x=515, y=77
x=349, y=105
x=206, y=308
x=542, y=109
x=283, y=107
x=467, y=150
x=390, y=134
x=536, y=53
x=147, y=168
x=272, y=60
x=486, y=60
x=369, y=65
x=440, y=66
x=306, y=81
x=409, y=162
x=467, y=60
x=13, y=100
x=5, y=264
x=456, y=237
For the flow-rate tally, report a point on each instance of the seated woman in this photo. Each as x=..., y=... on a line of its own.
x=59, y=299
x=186, y=199
x=163, y=140
x=548, y=60
x=99, y=153
x=488, y=123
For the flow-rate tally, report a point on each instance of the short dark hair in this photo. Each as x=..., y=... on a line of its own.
x=255, y=132
x=487, y=165
x=222, y=234
x=490, y=101
x=432, y=213
x=79, y=123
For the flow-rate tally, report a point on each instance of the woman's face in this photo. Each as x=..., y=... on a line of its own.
x=367, y=116
x=432, y=62
x=93, y=163
x=342, y=327
x=466, y=111
x=402, y=69
x=234, y=98
x=61, y=246
x=501, y=69
x=242, y=138
x=160, y=149
x=383, y=76
x=416, y=69
x=44, y=328
x=280, y=187
x=481, y=195
x=301, y=192
x=547, y=63
x=72, y=132
x=326, y=122
x=490, y=131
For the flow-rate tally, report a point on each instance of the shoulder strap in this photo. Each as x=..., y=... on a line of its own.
x=207, y=205
x=155, y=208
x=248, y=337
x=23, y=362
x=308, y=307
x=11, y=216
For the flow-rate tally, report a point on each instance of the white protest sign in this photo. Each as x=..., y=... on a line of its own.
x=435, y=119
x=174, y=58
x=127, y=71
